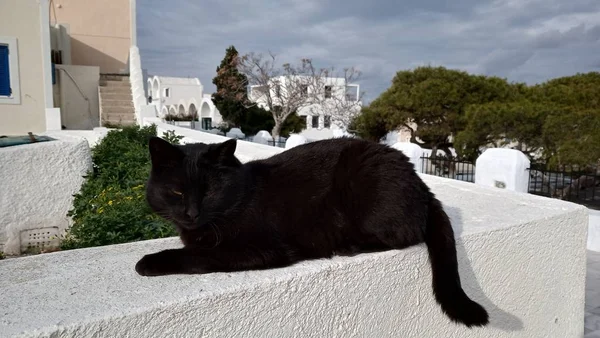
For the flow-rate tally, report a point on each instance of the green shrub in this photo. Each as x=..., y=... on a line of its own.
x=111, y=207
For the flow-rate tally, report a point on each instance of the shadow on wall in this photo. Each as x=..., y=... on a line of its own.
x=86, y=55
x=499, y=318
x=76, y=91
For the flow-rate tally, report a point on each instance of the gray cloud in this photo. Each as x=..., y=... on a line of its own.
x=525, y=41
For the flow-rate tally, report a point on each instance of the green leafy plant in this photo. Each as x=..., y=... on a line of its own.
x=170, y=136
x=111, y=207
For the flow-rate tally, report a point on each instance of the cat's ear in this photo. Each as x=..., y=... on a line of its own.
x=222, y=152
x=163, y=154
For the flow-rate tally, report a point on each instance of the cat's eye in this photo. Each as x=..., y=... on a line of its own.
x=178, y=193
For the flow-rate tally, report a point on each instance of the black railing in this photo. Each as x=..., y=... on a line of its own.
x=571, y=183
x=449, y=168
x=280, y=144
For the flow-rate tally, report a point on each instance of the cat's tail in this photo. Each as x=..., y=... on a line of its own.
x=447, y=290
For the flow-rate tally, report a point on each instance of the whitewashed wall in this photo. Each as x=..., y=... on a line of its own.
x=136, y=79
x=521, y=256
x=37, y=185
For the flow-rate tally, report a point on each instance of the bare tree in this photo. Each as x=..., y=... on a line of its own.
x=299, y=88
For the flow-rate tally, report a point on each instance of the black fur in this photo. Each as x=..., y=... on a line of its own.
x=340, y=196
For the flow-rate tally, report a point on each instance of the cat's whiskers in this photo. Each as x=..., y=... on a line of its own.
x=218, y=236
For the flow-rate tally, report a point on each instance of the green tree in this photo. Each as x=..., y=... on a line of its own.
x=502, y=124
x=434, y=99
x=572, y=128
x=369, y=124
x=231, y=89
x=555, y=122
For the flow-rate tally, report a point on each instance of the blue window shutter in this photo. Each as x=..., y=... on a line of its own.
x=4, y=72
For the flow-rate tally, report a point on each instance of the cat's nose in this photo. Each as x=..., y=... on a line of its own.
x=193, y=214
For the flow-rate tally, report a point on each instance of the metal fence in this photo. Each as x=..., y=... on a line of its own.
x=280, y=144
x=449, y=168
x=576, y=184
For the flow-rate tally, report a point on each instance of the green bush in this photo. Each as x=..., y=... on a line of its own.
x=257, y=119
x=111, y=207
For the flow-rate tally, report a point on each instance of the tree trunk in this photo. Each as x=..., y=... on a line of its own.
x=434, y=151
x=276, y=130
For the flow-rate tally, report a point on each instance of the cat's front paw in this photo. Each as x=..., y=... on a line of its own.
x=150, y=265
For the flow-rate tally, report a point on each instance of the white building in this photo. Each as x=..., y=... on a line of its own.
x=183, y=97
x=321, y=111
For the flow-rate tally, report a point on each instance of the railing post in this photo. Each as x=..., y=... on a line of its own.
x=503, y=168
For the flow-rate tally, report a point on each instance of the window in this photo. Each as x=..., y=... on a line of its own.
x=315, y=122
x=4, y=72
x=167, y=92
x=206, y=123
x=304, y=90
x=9, y=75
x=328, y=92
x=327, y=121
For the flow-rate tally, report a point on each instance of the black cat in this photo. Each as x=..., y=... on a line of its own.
x=333, y=197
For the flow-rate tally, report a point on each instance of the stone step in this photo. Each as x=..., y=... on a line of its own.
x=103, y=83
x=114, y=77
x=116, y=96
x=116, y=118
x=107, y=102
x=117, y=110
x=119, y=90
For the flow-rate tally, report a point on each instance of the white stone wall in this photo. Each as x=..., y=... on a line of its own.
x=521, y=256
x=503, y=168
x=245, y=150
x=593, y=241
x=136, y=79
x=37, y=185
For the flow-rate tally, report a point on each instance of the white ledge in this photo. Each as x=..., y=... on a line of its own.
x=245, y=150
x=521, y=256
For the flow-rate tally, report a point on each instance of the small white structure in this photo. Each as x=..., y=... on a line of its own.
x=183, y=97
x=235, y=133
x=262, y=137
x=413, y=151
x=503, y=168
x=593, y=239
x=295, y=140
x=337, y=133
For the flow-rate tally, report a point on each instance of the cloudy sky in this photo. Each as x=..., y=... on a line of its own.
x=521, y=40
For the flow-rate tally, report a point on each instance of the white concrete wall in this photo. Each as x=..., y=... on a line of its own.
x=25, y=111
x=208, y=109
x=100, y=31
x=136, y=78
x=245, y=150
x=503, y=168
x=60, y=40
x=78, y=96
x=521, y=256
x=321, y=108
x=182, y=91
x=37, y=185
x=593, y=241
x=91, y=136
